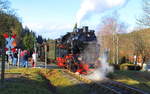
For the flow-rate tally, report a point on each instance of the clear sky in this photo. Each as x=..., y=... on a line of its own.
x=53, y=18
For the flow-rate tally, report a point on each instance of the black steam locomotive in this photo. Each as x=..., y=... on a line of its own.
x=81, y=43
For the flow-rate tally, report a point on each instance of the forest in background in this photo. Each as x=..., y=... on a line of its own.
x=11, y=24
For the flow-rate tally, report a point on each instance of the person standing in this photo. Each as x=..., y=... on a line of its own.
x=25, y=59
x=21, y=58
x=33, y=59
x=10, y=59
x=135, y=59
x=15, y=58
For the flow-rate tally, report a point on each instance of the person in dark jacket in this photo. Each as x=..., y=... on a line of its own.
x=15, y=57
x=25, y=59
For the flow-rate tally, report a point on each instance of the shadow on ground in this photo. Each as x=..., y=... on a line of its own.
x=23, y=85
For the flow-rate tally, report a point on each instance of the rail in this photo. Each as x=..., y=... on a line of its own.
x=109, y=86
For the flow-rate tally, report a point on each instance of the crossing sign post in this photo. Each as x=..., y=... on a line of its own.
x=10, y=42
x=3, y=64
x=3, y=61
x=9, y=47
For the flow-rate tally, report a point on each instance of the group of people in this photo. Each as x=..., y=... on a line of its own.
x=21, y=58
x=12, y=58
x=24, y=58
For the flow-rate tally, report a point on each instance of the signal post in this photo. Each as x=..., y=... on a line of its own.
x=10, y=47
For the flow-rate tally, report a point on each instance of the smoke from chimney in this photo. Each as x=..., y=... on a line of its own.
x=91, y=7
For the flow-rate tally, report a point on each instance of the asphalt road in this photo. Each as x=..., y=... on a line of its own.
x=38, y=65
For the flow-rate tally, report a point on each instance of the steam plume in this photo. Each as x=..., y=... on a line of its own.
x=91, y=7
x=100, y=73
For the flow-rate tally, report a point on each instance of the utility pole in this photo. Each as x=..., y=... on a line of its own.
x=19, y=52
x=35, y=49
x=117, y=48
x=45, y=55
x=113, y=46
x=55, y=48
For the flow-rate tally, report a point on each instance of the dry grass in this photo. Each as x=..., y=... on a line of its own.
x=28, y=82
x=137, y=79
x=35, y=84
x=65, y=85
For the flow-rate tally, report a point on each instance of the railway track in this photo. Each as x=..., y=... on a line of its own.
x=108, y=86
x=120, y=88
x=105, y=87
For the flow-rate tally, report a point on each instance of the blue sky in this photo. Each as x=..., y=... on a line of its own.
x=53, y=18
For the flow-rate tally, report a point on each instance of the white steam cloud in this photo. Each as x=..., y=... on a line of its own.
x=90, y=7
x=100, y=73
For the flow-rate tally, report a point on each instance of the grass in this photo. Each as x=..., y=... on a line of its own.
x=65, y=85
x=33, y=83
x=30, y=83
x=138, y=79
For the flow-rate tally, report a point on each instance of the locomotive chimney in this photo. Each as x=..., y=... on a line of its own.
x=75, y=29
x=85, y=28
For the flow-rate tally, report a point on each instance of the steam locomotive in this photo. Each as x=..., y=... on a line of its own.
x=77, y=50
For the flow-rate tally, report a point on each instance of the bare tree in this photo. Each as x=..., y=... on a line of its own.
x=141, y=44
x=144, y=20
x=109, y=37
x=4, y=5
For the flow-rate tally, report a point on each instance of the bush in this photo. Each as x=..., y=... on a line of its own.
x=126, y=66
x=129, y=66
x=116, y=66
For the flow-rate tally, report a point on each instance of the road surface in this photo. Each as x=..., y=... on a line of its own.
x=38, y=65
